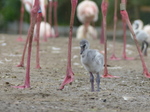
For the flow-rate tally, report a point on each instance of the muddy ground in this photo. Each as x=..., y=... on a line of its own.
x=129, y=93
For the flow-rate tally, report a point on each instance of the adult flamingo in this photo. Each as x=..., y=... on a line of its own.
x=45, y=30
x=87, y=12
x=42, y=5
x=28, y=5
x=35, y=17
x=91, y=32
x=126, y=20
x=69, y=73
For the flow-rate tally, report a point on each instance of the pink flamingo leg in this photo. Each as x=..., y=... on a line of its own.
x=30, y=37
x=125, y=16
x=50, y=14
x=45, y=36
x=24, y=50
x=104, y=7
x=86, y=24
x=20, y=39
x=124, y=56
x=23, y=55
x=69, y=73
x=39, y=18
x=55, y=3
x=124, y=37
x=102, y=35
x=113, y=57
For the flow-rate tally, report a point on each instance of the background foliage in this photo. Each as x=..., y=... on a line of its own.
x=10, y=11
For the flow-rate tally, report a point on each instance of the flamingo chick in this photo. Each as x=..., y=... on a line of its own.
x=141, y=35
x=92, y=61
x=90, y=33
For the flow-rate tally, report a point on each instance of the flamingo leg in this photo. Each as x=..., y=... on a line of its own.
x=23, y=55
x=19, y=39
x=92, y=81
x=39, y=18
x=86, y=24
x=126, y=17
x=124, y=56
x=50, y=14
x=104, y=7
x=113, y=57
x=55, y=4
x=45, y=36
x=102, y=35
x=34, y=13
x=69, y=73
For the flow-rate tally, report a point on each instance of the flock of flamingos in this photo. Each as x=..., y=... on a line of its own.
x=87, y=13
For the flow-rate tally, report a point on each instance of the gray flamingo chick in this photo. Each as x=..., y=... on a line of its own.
x=93, y=62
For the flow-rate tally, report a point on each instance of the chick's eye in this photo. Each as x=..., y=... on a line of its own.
x=84, y=46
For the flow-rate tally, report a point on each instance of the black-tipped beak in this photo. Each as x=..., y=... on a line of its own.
x=82, y=49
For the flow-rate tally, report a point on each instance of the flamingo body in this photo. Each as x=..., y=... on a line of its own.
x=91, y=32
x=45, y=30
x=146, y=28
x=87, y=11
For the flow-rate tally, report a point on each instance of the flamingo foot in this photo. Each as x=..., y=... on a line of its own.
x=113, y=57
x=127, y=58
x=20, y=65
x=38, y=67
x=109, y=76
x=50, y=36
x=35, y=39
x=68, y=79
x=21, y=87
x=53, y=36
x=56, y=35
x=44, y=40
x=19, y=39
x=146, y=73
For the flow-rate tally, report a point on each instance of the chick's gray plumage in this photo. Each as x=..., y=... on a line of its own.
x=92, y=60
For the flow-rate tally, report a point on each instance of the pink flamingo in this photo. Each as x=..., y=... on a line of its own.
x=28, y=5
x=24, y=50
x=91, y=32
x=35, y=17
x=87, y=12
x=53, y=5
x=69, y=73
x=45, y=30
x=125, y=20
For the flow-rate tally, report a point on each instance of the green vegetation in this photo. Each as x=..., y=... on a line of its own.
x=137, y=9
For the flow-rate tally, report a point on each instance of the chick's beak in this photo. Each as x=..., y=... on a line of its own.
x=82, y=49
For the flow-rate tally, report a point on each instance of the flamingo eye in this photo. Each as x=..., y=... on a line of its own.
x=84, y=46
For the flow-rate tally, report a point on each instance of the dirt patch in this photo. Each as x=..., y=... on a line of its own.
x=129, y=93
